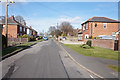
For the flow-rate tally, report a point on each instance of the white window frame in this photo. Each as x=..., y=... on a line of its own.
x=87, y=36
x=104, y=25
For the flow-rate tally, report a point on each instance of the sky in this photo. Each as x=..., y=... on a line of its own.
x=42, y=15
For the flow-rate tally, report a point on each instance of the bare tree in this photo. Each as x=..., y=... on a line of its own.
x=20, y=19
x=66, y=27
x=52, y=29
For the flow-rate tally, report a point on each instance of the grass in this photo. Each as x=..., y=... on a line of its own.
x=114, y=67
x=39, y=40
x=95, y=52
x=15, y=48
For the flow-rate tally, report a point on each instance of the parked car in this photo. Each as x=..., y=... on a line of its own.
x=45, y=38
x=64, y=38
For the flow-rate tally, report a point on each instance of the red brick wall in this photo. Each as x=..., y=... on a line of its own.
x=105, y=43
x=12, y=31
x=18, y=39
x=100, y=30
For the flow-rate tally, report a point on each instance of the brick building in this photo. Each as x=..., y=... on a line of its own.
x=98, y=26
x=15, y=29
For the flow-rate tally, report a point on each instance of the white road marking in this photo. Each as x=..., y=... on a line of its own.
x=91, y=76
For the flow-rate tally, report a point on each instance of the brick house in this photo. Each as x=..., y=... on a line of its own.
x=98, y=26
x=31, y=32
x=15, y=29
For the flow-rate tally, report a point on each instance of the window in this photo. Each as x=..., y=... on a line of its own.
x=20, y=28
x=86, y=36
x=87, y=26
x=3, y=26
x=96, y=25
x=83, y=26
x=20, y=34
x=105, y=25
x=24, y=29
x=80, y=36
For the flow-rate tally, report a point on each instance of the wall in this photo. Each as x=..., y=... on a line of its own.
x=17, y=39
x=105, y=43
x=12, y=31
x=100, y=30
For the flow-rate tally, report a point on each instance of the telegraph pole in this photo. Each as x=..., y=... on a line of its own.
x=6, y=23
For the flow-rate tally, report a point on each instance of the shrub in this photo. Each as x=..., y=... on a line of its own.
x=91, y=37
x=97, y=38
x=25, y=36
x=85, y=46
x=4, y=42
x=89, y=43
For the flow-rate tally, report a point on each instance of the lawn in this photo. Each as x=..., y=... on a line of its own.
x=114, y=67
x=15, y=48
x=39, y=40
x=95, y=52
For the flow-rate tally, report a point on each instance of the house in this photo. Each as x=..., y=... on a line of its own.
x=97, y=27
x=15, y=29
x=31, y=32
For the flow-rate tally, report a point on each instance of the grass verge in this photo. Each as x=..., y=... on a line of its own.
x=95, y=52
x=15, y=48
x=39, y=40
x=114, y=67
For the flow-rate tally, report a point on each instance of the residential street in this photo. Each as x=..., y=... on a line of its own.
x=45, y=60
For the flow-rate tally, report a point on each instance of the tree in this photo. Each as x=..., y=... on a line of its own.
x=58, y=32
x=20, y=19
x=66, y=27
x=52, y=29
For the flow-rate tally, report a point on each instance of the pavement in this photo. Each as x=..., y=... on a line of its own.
x=71, y=42
x=97, y=65
x=46, y=59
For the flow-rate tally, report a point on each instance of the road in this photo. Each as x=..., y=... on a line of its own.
x=46, y=60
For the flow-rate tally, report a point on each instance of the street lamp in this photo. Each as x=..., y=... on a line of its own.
x=6, y=20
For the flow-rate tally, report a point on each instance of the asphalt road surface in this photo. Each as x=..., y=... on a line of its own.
x=47, y=60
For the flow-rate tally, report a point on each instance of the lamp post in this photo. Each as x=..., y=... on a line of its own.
x=6, y=20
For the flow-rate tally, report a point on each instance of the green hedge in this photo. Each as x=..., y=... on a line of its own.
x=30, y=38
x=89, y=43
x=4, y=42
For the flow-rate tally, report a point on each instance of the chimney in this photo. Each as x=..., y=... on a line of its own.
x=30, y=27
x=24, y=23
x=12, y=17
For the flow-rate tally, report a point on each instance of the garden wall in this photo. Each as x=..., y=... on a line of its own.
x=105, y=43
x=17, y=39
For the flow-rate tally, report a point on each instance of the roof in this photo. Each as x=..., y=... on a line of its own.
x=10, y=21
x=102, y=19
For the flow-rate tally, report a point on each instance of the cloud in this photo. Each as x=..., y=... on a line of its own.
x=72, y=20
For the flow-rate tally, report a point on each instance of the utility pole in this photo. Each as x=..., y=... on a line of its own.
x=6, y=23
x=6, y=20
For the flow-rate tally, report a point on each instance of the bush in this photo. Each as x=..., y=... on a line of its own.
x=85, y=46
x=4, y=42
x=98, y=38
x=91, y=37
x=89, y=43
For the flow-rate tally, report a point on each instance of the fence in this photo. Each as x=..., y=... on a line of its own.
x=17, y=39
x=105, y=43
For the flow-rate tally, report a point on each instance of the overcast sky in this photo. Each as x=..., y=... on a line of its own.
x=42, y=15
